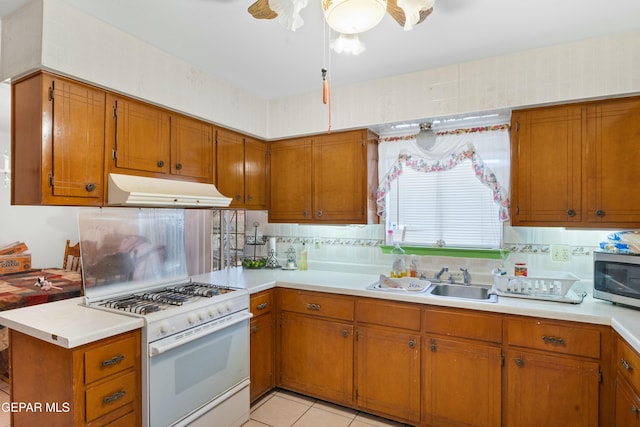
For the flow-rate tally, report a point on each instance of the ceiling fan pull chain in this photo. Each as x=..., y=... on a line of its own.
x=326, y=95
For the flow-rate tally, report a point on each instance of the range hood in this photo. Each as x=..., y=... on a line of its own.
x=130, y=190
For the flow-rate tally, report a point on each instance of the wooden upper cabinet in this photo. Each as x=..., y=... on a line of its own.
x=611, y=174
x=290, y=166
x=192, y=148
x=146, y=140
x=138, y=136
x=571, y=167
x=546, y=166
x=323, y=179
x=57, y=142
x=242, y=166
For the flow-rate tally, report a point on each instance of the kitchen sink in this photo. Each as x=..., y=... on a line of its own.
x=470, y=292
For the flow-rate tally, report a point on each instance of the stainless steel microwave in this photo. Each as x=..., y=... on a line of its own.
x=616, y=278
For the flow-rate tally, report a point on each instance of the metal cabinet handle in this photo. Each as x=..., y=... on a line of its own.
x=434, y=347
x=319, y=214
x=345, y=333
x=314, y=307
x=519, y=362
x=90, y=187
x=600, y=213
x=412, y=344
x=626, y=365
x=571, y=212
x=634, y=409
x=254, y=329
x=178, y=166
x=304, y=214
x=160, y=163
x=261, y=306
x=115, y=396
x=113, y=361
x=553, y=340
x=250, y=198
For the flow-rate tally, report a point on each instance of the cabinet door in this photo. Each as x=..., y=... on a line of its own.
x=58, y=142
x=290, y=185
x=546, y=166
x=388, y=372
x=191, y=148
x=339, y=177
x=262, y=355
x=230, y=182
x=316, y=357
x=462, y=383
x=552, y=391
x=139, y=136
x=612, y=176
x=255, y=174
x=627, y=411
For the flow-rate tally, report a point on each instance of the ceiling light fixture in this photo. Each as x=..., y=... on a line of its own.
x=426, y=137
x=347, y=17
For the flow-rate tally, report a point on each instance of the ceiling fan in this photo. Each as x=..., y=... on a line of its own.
x=346, y=16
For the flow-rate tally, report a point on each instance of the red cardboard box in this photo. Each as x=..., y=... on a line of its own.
x=15, y=263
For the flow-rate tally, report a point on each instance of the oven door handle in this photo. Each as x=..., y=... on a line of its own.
x=165, y=345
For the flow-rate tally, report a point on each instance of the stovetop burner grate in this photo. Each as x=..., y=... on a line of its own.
x=156, y=300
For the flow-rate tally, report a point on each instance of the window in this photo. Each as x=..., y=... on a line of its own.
x=453, y=194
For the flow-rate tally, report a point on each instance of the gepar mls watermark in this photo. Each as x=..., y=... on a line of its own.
x=54, y=407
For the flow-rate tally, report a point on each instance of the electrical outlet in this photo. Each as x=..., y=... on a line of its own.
x=561, y=253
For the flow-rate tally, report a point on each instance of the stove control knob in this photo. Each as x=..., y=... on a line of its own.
x=220, y=309
x=164, y=328
x=212, y=313
x=202, y=315
x=228, y=307
x=191, y=318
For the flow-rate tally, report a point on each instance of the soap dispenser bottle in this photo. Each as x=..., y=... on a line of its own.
x=413, y=267
x=303, y=258
x=399, y=267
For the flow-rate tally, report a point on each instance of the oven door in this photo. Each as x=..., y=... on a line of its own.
x=187, y=375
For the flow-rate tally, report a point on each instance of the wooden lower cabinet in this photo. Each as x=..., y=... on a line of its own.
x=549, y=390
x=316, y=357
x=262, y=344
x=388, y=359
x=462, y=383
x=97, y=384
x=627, y=412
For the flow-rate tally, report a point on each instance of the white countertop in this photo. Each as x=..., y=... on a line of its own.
x=67, y=323
x=625, y=321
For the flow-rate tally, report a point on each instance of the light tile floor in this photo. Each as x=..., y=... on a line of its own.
x=282, y=408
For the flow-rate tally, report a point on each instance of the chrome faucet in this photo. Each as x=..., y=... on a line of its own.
x=441, y=272
x=466, y=277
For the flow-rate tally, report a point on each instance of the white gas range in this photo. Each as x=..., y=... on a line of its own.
x=195, y=339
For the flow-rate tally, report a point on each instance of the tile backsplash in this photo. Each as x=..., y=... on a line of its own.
x=355, y=248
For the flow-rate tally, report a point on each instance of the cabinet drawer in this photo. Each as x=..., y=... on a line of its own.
x=388, y=313
x=555, y=337
x=319, y=304
x=126, y=420
x=110, y=358
x=628, y=363
x=462, y=324
x=110, y=395
x=261, y=303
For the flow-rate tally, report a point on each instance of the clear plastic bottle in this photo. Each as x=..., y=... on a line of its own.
x=413, y=267
x=399, y=266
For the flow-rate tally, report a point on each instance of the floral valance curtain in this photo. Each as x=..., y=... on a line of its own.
x=451, y=148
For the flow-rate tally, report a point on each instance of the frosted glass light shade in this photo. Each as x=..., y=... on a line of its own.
x=348, y=43
x=353, y=16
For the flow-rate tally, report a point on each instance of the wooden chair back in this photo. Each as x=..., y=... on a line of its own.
x=72, y=257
